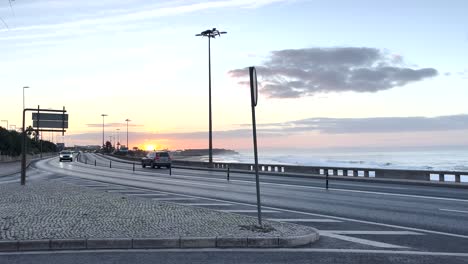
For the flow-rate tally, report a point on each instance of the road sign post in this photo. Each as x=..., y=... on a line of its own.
x=254, y=100
x=43, y=120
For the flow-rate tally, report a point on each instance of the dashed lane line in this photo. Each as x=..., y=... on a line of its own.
x=207, y=204
x=372, y=232
x=247, y=211
x=452, y=210
x=173, y=199
x=305, y=220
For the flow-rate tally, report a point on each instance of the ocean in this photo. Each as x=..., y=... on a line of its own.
x=448, y=158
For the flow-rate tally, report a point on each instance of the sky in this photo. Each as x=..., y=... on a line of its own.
x=331, y=73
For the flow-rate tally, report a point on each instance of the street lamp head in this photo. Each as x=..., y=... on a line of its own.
x=103, y=114
x=25, y=87
x=128, y=120
x=211, y=33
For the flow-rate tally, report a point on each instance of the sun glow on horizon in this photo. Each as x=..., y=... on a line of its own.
x=149, y=147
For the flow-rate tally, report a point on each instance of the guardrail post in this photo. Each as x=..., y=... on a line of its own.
x=326, y=178
x=345, y=172
x=170, y=170
x=228, y=170
x=441, y=177
x=133, y=166
x=457, y=178
x=110, y=163
x=86, y=161
x=94, y=163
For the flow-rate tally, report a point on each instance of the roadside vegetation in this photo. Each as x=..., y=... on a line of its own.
x=10, y=143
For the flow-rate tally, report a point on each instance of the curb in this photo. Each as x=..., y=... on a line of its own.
x=157, y=243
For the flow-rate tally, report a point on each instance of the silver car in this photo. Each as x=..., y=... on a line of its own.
x=66, y=155
x=157, y=159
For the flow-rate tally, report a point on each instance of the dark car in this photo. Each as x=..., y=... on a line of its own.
x=157, y=159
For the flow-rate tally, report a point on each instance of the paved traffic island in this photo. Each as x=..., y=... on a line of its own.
x=54, y=216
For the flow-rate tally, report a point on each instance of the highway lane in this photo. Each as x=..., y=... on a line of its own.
x=355, y=222
x=432, y=191
x=387, y=207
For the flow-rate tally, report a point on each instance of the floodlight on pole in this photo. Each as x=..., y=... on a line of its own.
x=210, y=33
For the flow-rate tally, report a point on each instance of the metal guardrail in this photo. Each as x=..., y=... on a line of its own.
x=325, y=171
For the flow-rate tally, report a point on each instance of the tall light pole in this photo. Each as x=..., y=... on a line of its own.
x=210, y=33
x=118, y=138
x=24, y=87
x=7, y=127
x=127, y=120
x=103, y=115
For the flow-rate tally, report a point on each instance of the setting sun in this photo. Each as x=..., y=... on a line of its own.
x=149, y=147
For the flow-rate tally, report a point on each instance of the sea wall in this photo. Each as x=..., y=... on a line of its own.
x=398, y=174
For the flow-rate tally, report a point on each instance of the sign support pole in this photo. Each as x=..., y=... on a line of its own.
x=23, y=153
x=254, y=100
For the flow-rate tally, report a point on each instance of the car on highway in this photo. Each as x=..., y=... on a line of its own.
x=66, y=155
x=157, y=159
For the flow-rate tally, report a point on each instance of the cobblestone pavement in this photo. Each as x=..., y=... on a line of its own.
x=7, y=168
x=54, y=210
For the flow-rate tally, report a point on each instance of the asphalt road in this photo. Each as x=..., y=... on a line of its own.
x=359, y=222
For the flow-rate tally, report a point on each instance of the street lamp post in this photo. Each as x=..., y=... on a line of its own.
x=127, y=120
x=210, y=33
x=7, y=127
x=118, y=138
x=103, y=115
x=24, y=87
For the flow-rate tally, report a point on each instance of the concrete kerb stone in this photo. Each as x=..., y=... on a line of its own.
x=148, y=243
x=295, y=241
x=169, y=242
x=30, y=245
x=231, y=242
x=198, y=242
x=262, y=242
x=9, y=245
x=116, y=243
x=68, y=244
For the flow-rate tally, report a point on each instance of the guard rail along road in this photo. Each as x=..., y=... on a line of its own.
x=437, y=177
x=397, y=174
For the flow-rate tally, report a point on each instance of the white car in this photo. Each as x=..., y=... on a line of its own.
x=66, y=155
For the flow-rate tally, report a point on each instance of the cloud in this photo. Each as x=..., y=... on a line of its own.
x=370, y=125
x=297, y=73
x=328, y=126
x=99, y=14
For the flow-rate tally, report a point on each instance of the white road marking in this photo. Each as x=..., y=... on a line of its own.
x=145, y=194
x=360, y=240
x=302, y=220
x=252, y=250
x=208, y=204
x=364, y=232
x=247, y=211
x=452, y=210
x=173, y=199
